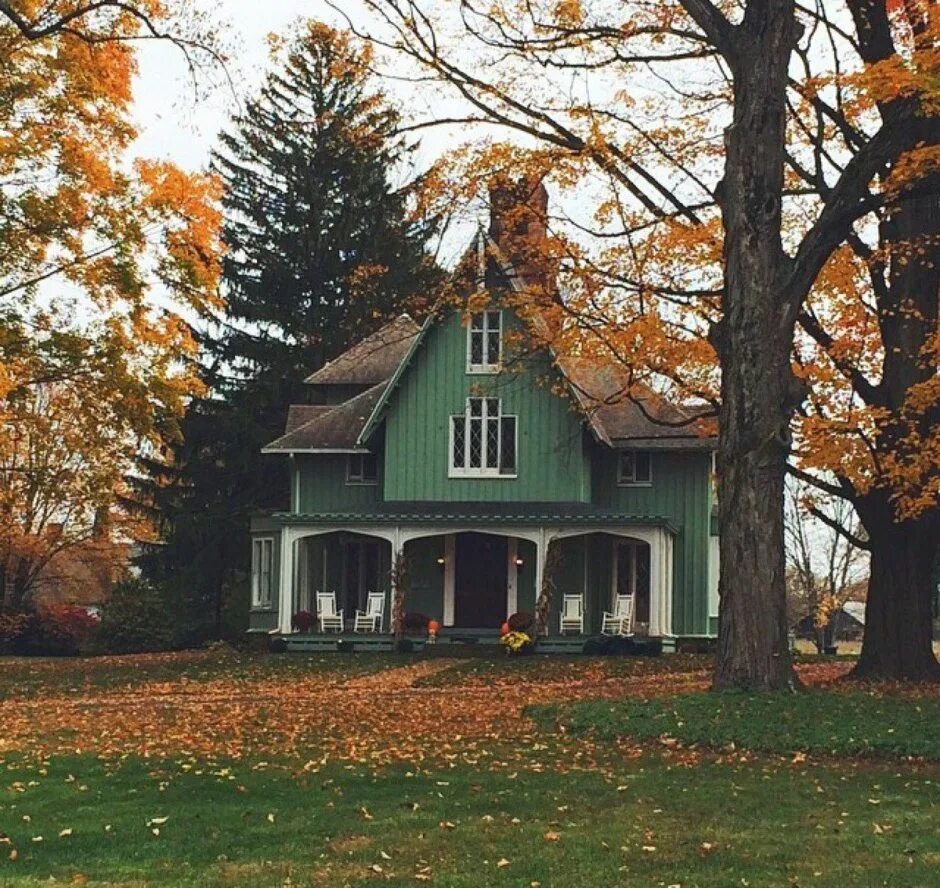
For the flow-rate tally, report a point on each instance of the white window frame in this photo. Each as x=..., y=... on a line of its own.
x=486, y=366
x=484, y=470
x=360, y=479
x=632, y=480
x=262, y=582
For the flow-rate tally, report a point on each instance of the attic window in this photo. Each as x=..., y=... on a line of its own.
x=484, y=343
x=635, y=467
x=362, y=468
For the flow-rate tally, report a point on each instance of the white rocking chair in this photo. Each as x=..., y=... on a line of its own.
x=370, y=620
x=331, y=619
x=620, y=621
x=572, y=614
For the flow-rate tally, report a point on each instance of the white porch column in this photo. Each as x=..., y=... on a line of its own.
x=668, y=543
x=512, y=577
x=450, y=578
x=660, y=583
x=285, y=589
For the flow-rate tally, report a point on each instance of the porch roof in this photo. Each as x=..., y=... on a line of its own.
x=528, y=513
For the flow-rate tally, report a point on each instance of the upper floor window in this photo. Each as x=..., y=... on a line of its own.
x=484, y=342
x=634, y=467
x=483, y=440
x=262, y=571
x=362, y=468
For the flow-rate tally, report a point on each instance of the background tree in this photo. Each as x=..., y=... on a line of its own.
x=322, y=250
x=85, y=240
x=823, y=565
x=692, y=165
x=870, y=432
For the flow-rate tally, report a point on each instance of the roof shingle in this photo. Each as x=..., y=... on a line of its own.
x=620, y=414
x=372, y=360
x=336, y=428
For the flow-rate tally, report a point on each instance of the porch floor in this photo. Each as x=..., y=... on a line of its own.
x=450, y=641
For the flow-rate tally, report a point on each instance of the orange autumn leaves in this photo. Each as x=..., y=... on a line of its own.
x=433, y=711
x=104, y=262
x=641, y=286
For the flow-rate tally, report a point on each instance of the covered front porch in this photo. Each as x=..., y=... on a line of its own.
x=470, y=577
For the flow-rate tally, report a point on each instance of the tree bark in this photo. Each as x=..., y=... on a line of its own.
x=898, y=640
x=898, y=616
x=758, y=391
x=543, y=603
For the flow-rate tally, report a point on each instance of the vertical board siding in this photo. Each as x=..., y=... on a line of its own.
x=557, y=462
x=323, y=486
x=681, y=492
x=525, y=577
x=552, y=464
x=426, y=577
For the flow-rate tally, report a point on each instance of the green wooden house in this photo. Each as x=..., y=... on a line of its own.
x=434, y=445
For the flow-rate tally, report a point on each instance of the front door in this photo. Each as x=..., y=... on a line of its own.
x=360, y=574
x=480, y=580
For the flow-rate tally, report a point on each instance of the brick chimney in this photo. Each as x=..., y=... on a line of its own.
x=519, y=226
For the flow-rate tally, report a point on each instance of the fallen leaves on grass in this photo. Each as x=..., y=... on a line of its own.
x=388, y=716
x=431, y=711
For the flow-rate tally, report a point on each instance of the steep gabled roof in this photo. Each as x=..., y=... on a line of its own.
x=371, y=361
x=616, y=418
x=300, y=414
x=617, y=414
x=621, y=415
x=333, y=429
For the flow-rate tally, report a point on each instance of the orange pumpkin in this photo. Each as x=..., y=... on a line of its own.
x=433, y=626
x=504, y=629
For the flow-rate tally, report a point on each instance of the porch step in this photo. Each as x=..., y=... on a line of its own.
x=456, y=642
x=560, y=645
x=345, y=642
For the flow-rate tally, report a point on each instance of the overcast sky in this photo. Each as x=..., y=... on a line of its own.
x=171, y=123
x=174, y=125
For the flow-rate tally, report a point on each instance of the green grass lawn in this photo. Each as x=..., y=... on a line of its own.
x=836, y=724
x=557, y=808
x=646, y=822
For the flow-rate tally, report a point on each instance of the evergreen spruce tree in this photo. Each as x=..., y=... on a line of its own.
x=321, y=252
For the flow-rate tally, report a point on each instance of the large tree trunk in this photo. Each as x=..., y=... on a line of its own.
x=754, y=338
x=898, y=641
x=17, y=585
x=898, y=617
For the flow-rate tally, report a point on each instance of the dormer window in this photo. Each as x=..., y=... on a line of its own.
x=484, y=342
x=635, y=468
x=362, y=468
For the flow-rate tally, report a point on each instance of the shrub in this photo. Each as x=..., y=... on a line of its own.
x=303, y=621
x=404, y=646
x=135, y=619
x=277, y=645
x=416, y=621
x=522, y=621
x=620, y=646
x=593, y=647
x=61, y=630
x=12, y=626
